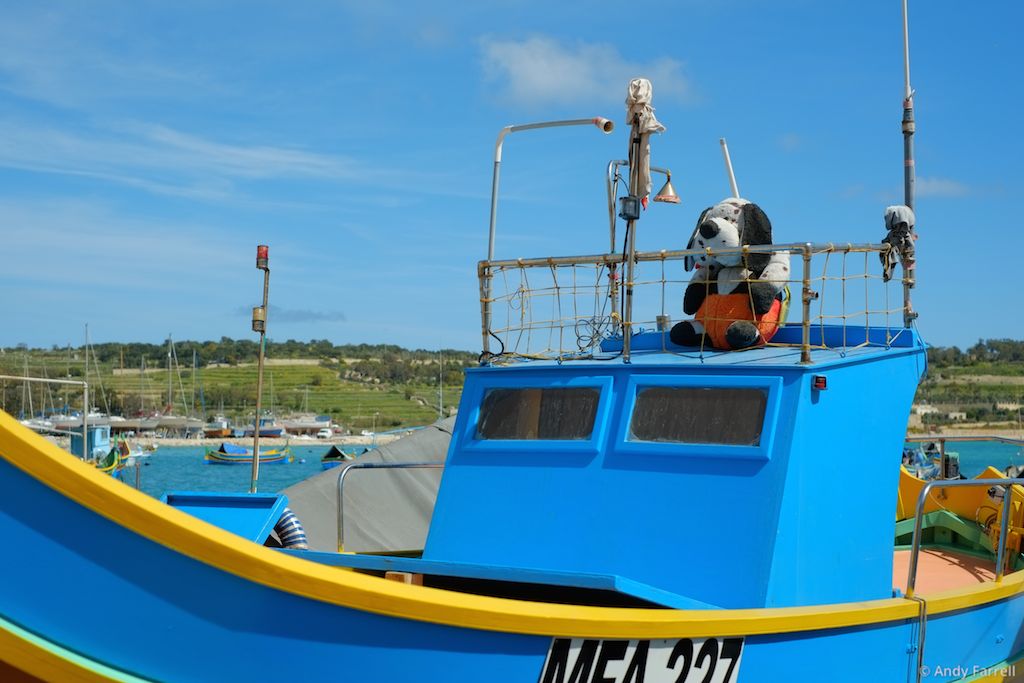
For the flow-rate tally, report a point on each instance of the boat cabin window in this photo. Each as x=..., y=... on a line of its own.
x=550, y=413
x=699, y=415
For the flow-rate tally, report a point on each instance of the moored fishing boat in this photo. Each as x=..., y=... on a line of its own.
x=230, y=454
x=218, y=428
x=268, y=428
x=337, y=455
x=121, y=454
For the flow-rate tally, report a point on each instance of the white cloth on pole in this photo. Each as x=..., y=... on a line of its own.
x=638, y=106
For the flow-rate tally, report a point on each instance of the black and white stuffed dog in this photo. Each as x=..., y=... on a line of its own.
x=736, y=299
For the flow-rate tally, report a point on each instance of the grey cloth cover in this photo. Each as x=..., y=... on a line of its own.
x=899, y=224
x=384, y=509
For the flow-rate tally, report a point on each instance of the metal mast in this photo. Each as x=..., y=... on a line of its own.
x=909, y=274
x=259, y=324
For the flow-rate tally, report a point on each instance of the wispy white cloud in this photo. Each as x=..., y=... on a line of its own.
x=85, y=245
x=163, y=160
x=941, y=187
x=253, y=161
x=541, y=70
x=65, y=57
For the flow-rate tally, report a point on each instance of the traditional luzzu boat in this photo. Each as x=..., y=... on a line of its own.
x=229, y=454
x=614, y=507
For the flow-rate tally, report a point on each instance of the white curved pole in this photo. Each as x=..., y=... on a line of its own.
x=728, y=168
x=606, y=126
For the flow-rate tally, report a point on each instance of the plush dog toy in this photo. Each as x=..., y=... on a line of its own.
x=737, y=300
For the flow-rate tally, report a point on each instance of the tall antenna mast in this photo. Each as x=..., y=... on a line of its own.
x=908, y=117
x=908, y=168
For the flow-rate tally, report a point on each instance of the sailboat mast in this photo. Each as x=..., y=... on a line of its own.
x=27, y=390
x=86, y=371
x=170, y=383
x=67, y=397
x=142, y=385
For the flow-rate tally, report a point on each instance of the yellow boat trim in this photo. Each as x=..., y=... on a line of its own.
x=217, y=548
x=42, y=659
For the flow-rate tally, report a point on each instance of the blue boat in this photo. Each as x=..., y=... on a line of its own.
x=336, y=455
x=614, y=507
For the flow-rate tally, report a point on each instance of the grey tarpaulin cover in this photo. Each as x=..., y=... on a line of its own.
x=384, y=509
x=640, y=115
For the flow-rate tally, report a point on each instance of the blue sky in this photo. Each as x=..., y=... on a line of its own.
x=146, y=148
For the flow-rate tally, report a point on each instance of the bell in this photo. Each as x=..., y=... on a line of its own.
x=667, y=193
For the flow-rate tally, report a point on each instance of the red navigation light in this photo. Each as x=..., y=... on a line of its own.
x=262, y=257
x=819, y=382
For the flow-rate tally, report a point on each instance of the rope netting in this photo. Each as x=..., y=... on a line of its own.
x=565, y=308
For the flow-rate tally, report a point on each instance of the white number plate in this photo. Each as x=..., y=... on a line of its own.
x=683, y=660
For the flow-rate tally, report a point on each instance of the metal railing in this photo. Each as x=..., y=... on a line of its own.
x=922, y=498
x=85, y=404
x=348, y=467
x=915, y=547
x=583, y=293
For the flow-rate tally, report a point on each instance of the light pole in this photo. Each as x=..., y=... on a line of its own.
x=259, y=324
x=603, y=124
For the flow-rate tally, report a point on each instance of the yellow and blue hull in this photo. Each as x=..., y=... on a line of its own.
x=88, y=559
x=274, y=457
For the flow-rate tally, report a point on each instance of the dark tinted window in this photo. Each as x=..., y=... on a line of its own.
x=528, y=413
x=730, y=416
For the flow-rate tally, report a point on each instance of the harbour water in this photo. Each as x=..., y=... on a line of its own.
x=975, y=456
x=181, y=468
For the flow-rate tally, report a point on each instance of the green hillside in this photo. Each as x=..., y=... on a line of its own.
x=366, y=386
x=985, y=382
x=361, y=387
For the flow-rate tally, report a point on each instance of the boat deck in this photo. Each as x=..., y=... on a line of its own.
x=830, y=344
x=941, y=569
